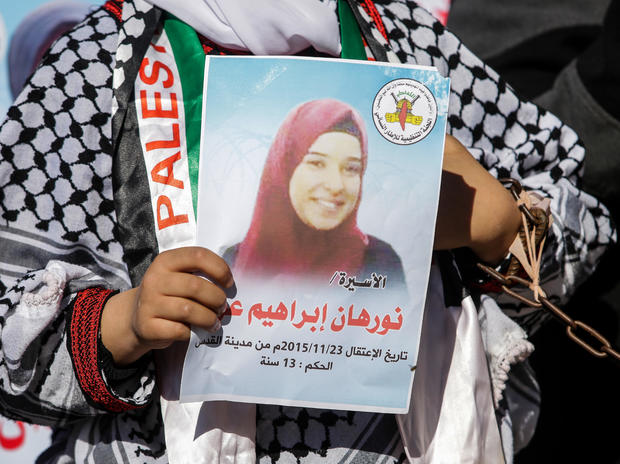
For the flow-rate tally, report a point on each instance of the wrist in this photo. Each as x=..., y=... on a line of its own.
x=493, y=238
x=117, y=334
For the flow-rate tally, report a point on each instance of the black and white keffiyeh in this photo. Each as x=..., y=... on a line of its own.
x=59, y=147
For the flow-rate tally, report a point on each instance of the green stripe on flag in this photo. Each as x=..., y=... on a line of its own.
x=190, y=59
x=350, y=34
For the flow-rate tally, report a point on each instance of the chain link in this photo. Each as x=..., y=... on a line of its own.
x=573, y=327
x=598, y=346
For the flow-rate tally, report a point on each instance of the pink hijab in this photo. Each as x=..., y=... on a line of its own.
x=277, y=240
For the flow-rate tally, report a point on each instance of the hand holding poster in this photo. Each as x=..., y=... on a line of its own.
x=319, y=185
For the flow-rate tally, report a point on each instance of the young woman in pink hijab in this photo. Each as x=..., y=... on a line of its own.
x=305, y=218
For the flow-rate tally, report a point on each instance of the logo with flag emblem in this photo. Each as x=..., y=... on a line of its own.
x=404, y=111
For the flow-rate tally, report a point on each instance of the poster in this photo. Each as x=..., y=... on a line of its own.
x=318, y=183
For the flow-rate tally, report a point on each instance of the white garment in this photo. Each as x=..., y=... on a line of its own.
x=212, y=432
x=263, y=27
x=451, y=417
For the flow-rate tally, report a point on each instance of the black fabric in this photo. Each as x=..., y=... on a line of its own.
x=305, y=432
x=532, y=66
x=491, y=28
x=132, y=200
x=599, y=65
x=453, y=289
x=115, y=373
x=532, y=62
x=529, y=42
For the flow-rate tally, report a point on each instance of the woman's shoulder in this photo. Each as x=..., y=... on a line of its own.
x=380, y=258
x=380, y=255
x=230, y=254
x=378, y=245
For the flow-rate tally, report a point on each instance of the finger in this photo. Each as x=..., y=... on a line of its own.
x=190, y=286
x=188, y=312
x=197, y=259
x=161, y=333
x=172, y=320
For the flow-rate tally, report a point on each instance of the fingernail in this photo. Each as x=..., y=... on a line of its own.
x=216, y=326
x=221, y=310
x=231, y=291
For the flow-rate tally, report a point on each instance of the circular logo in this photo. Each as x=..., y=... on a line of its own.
x=404, y=111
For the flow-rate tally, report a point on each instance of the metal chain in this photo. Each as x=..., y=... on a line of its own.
x=572, y=326
x=601, y=349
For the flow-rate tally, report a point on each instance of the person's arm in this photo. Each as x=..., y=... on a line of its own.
x=475, y=210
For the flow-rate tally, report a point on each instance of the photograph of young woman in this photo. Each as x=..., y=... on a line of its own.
x=305, y=217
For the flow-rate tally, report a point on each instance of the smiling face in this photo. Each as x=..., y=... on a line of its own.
x=326, y=184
